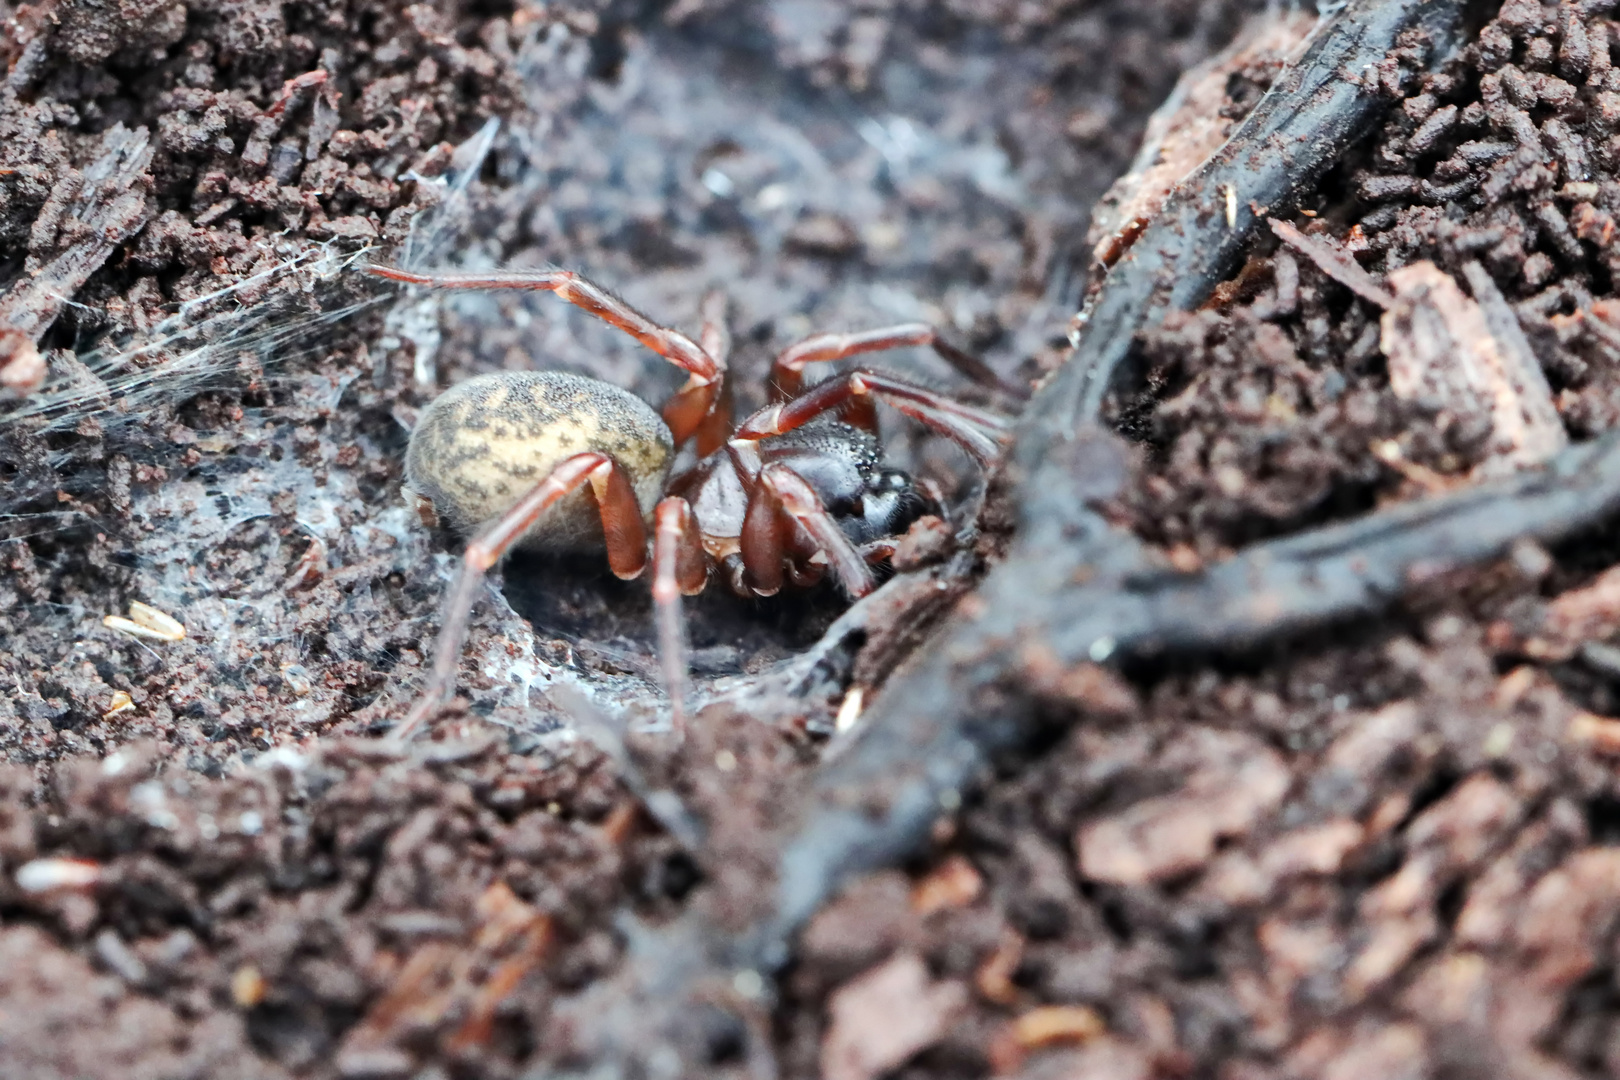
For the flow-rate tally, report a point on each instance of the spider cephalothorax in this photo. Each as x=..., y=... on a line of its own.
x=557, y=462
x=843, y=465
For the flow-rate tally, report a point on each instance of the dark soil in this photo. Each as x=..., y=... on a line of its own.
x=1273, y=410
x=1385, y=851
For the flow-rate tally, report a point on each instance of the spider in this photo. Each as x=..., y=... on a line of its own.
x=555, y=462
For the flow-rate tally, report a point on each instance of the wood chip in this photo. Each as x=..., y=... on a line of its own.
x=1334, y=261
x=955, y=883
x=1052, y=1025
x=22, y=368
x=1441, y=349
x=1558, y=928
x=1042, y=1028
x=1521, y=371
x=1576, y=616
x=619, y=823
x=1231, y=782
x=466, y=980
x=1601, y=733
x=247, y=986
x=886, y=1015
x=994, y=977
x=1514, y=685
x=50, y=875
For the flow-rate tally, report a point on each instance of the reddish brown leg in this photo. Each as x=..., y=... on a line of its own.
x=978, y=432
x=877, y=551
x=680, y=568
x=685, y=411
x=736, y=574
x=715, y=427
x=627, y=555
x=803, y=574
x=762, y=542
x=787, y=371
x=781, y=502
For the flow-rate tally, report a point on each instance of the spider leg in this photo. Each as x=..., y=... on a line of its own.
x=787, y=370
x=715, y=426
x=627, y=554
x=685, y=411
x=804, y=574
x=762, y=542
x=978, y=432
x=736, y=574
x=782, y=500
x=679, y=568
x=877, y=551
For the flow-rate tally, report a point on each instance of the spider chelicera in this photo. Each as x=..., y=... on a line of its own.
x=554, y=462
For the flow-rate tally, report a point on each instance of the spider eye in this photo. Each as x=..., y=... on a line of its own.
x=890, y=481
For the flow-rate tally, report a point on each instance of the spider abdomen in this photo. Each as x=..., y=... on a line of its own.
x=484, y=444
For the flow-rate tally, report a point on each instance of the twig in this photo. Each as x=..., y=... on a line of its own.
x=1342, y=571
x=1333, y=261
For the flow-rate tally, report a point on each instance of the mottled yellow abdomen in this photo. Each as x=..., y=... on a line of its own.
x=484, y=443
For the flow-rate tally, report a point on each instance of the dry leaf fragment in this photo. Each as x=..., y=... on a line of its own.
x=146, y=621
x=157, y=621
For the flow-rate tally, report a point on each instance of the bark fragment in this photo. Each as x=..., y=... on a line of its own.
x=1185, y=131
x=82, y=224
x=1441, y=349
